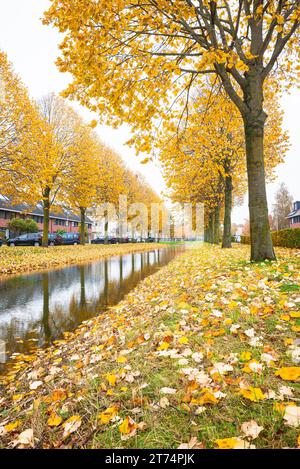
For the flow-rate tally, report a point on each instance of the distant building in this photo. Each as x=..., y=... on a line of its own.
x=294, y=216
x=61, y=220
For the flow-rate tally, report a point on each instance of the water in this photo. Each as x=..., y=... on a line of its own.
x=38, y=308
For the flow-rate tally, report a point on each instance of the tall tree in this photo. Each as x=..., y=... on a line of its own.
x=211, y=147
x=134, y=60
x=80, y=190
x=18, y=119
x=282, y=207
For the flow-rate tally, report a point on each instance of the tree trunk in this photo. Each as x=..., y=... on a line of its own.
x=254, y=121
x=82, y=225
x=106, y=227
x=216, y=224
x=261, y=241
x=226, y=242
x=46, y=210
x=210, y=228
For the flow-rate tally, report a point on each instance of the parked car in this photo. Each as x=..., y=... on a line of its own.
x=69, y=238
x=99, y=240
x=28, y=239
x=150, y=239
x=32, y=239
x=123, y=240
x=110, y=240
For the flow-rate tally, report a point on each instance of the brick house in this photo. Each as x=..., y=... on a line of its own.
x=60, y=220
x=294, y=216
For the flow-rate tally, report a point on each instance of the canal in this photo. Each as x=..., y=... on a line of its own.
x=37, y=308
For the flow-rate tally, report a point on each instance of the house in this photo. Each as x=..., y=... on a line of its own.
x=60, y=220
x=294, y=216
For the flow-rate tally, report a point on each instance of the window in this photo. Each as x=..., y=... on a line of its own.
x=60, y=222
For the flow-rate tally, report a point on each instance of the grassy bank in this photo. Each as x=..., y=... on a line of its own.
x=201, y=354
x=27, y=259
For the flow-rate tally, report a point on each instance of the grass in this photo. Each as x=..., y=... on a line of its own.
x=127, y=357
x=15, y=260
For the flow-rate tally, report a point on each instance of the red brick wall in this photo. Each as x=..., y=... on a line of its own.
x=294, y=225
x=53, y=228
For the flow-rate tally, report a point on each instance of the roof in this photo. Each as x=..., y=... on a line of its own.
x=68, y=215
x=294, y=213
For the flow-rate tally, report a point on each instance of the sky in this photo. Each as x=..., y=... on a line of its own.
x=33, y=49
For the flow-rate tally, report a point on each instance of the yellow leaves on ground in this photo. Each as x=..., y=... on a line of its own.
x=18, y=260
x=253, y=394
x=226, y=379
x=108, y=414
x=289, y=373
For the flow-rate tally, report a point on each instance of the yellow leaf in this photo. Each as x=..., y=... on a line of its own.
x=233, y=443
x=71, y=425
x=206, y=398
x=122, y=359
x=54, y=420
x=112, y=379
x=253, y=394
x=289, y=373
x=245, y=356
x=108, y=414
x=183, y=340
x=127, y=426
x=163, y=346
x=10, y=427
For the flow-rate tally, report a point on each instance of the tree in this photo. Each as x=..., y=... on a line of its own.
x=282, y=207
x=18, y=120
x=135, y=60
x=207, y=157
x=20, y=225
x=80, y=189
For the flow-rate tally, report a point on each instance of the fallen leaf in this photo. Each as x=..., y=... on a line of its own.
x=251, y=429
x=233, y=443
x=253, y=394
x=71, y=425
x=54, y=420
x=168, y=390
x=289, y=373
x=107, y=415
x=292, y=416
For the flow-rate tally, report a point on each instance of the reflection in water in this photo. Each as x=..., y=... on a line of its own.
x=36, y=309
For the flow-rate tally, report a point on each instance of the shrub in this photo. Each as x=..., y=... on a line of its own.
x=20, y=225
x=245, y=239
x=288, y=238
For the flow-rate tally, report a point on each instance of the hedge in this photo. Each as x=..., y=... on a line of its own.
x=289, y=238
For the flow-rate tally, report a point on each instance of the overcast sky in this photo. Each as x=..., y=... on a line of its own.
x=33, y=49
